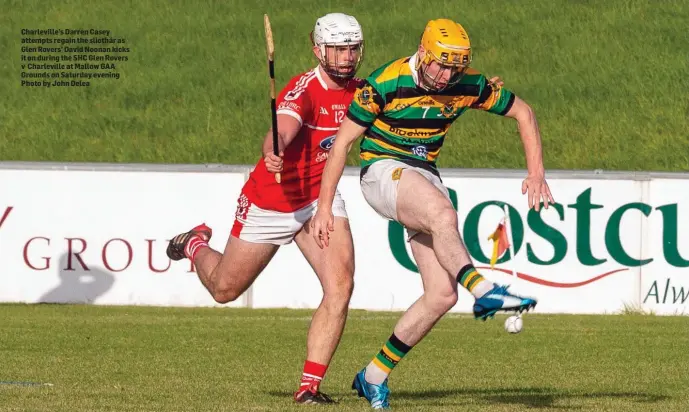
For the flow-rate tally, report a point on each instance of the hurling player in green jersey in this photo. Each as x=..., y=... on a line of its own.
x=403, y=110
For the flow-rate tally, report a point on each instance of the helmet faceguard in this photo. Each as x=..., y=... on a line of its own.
x=340, y=42
x=446, y=44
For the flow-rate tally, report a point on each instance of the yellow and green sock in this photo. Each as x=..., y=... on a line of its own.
x=472, y=281
x=385, y=361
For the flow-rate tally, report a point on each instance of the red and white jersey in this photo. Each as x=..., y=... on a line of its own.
x=320, y=112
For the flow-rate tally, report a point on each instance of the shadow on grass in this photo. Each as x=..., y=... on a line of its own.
x=528, y=397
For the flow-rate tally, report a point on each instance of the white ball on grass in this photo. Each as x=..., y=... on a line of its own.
x=514, y=324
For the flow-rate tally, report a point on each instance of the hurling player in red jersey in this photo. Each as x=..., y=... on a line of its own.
x=270, y=214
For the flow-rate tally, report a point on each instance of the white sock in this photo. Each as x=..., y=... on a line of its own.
x=374, y=374
x=482, y=288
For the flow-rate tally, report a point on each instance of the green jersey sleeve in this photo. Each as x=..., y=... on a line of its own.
x=493, y=99
x=368, y=102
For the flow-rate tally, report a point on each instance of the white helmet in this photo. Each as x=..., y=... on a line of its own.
x=338, y=29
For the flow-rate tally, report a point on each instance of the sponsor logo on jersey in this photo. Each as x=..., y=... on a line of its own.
x=289, y=105
x=327, y=143
x=449, y=109
x=321, y=157
x=365, y=95
x=414, y=132
x=420, y=151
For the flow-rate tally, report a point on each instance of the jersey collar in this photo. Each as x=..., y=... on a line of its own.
x=320, y=77
x=412, y=67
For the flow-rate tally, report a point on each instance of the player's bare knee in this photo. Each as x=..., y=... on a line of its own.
x=341, y=289
x=338, y=293
x=442, y=300
x=226, y=295
x=225, y=292
x=444, y=219
x=445, y=303
x=343, y=279
x=347, y=287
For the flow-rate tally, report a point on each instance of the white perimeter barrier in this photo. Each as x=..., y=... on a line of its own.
x=96, y=233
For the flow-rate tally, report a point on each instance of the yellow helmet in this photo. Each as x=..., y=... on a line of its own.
x=446, y=43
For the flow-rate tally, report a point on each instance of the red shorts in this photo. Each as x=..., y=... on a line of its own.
x=257, y=225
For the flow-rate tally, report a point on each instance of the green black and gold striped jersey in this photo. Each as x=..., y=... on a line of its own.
x=409, y=124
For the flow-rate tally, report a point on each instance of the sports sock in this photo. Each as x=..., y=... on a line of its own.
x=382, y=364
x=312, y=376
x=472, y=281
x=194, y=244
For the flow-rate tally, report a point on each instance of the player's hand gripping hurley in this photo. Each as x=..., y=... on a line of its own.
x=270, y=47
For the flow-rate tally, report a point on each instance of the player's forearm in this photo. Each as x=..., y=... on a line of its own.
x=268, y=143
x=531, y=140
x=530, y=135
x=337, y=158
x=334, y=167
x=288, y=128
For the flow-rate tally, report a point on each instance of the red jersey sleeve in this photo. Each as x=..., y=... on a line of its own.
x=294, y=99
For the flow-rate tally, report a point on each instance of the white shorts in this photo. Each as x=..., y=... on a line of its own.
x=379, y=187
x=257, y=225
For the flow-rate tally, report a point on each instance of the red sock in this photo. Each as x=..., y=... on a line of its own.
x=312, y=376
x=193, y=246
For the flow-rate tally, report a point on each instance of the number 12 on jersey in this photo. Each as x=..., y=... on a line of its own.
x=339, y=116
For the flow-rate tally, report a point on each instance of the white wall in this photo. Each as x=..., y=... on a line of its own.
x=117, y=219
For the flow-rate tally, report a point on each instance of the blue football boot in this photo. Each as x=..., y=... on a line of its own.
x=499, y=299
x=377, y=395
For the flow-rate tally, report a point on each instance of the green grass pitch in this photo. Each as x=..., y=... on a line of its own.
x=216, y=359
